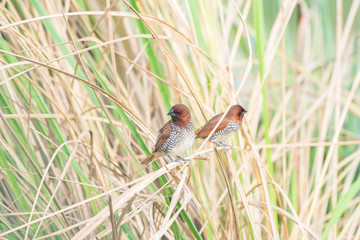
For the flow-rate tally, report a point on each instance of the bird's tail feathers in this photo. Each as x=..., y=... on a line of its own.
x=149, y=159
x=196, y=132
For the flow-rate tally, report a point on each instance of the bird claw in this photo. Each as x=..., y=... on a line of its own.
x=224, y=146
x=182, y=159
x=227, y=145
x=172, y=160
x=217, y=144
x=179, y=159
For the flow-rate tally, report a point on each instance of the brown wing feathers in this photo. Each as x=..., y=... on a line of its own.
x=163, y=134
x=205, y=130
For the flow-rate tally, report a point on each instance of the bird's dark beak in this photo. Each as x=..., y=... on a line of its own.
x=245, y=111
x=171, y=113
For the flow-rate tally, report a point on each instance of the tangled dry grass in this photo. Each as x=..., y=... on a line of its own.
x=85, y=85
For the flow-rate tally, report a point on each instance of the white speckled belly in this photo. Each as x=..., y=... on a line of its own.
x=229, y=130
x=179, y=141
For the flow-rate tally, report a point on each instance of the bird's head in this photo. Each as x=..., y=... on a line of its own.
x=237, y=112
x=180, y=114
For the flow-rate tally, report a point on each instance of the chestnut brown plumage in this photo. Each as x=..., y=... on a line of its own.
x=228, y=126
x=175, y=136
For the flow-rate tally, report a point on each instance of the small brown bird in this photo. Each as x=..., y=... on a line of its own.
x=228, y=126
x=175, y=136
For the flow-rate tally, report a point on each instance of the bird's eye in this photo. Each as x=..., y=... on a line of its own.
x=177, y=112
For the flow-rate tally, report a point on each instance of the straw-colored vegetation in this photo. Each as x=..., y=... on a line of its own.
x=85, y=86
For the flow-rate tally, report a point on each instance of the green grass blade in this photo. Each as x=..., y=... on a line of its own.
x=342, y=206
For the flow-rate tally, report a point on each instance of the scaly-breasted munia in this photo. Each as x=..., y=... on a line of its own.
x=228, y=126
x=175, y=136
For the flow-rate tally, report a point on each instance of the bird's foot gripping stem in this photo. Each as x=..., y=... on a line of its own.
x=181, y=159
x=224, y=146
